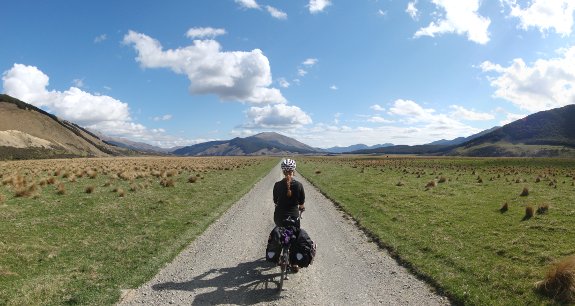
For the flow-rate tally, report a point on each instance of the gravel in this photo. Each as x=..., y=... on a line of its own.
x=226, y=264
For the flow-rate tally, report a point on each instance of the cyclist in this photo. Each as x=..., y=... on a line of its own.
x=289, y=196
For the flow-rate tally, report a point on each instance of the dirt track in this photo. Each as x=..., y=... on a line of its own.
x=226, y=264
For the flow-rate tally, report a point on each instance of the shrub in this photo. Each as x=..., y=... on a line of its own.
x=525, y=192
x=559, y=282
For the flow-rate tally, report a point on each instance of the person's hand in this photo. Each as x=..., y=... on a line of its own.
x=301, y=208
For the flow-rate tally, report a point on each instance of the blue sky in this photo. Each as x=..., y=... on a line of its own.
x=326, y=72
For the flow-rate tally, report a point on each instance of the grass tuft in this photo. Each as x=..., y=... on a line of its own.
x=192, y=179
x=528, y=212
x=504, y=208
x=525, y=192
x=559, y=282
x=167, y=182
x=543, y=208
x=89, y=189
x=61, y=189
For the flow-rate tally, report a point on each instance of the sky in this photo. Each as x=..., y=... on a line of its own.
x=325, y=72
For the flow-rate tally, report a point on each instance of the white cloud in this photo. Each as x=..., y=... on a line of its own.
x=461, y=17
x=466, y=114
x=333, y=87
x=205, y=32
x=100, y=38
x=511, y=117
x=381, y=13
x=545, y=84
x=301, y=72
x=377, y=108
x=412, y=10
x=276, y=13
x=283, y=83
x=378, y=119
x=413, y=114
x=96, y=112
x=310, y=61
x=279, y=116
x=163, y=118
x=545, y=15
x=248, y=4
x=317, y=6
x=236, y=76
x=78, y=83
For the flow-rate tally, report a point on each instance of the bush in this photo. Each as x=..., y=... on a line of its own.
x=559, y=282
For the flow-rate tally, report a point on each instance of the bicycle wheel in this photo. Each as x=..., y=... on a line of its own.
x=283, y=268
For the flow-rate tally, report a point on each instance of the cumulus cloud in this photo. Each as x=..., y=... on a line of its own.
x=276, y=13
x=545, y=84
x=333, y=87
x=510, y=117
x=413, y=114
x=466, y=114
x=97, y=112
x=248, y=4
x=378, y=119
x=545, y=15
x=318, y=6
x=234, y=76
x=381, y=13
x=412, y=10
x=205, y=32
x=460, y=17
x=278, y=116
x=301, y=72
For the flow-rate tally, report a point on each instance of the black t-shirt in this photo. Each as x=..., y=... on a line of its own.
x=288, y=206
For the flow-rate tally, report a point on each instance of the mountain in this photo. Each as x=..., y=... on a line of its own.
x=356, y=147
x=546, y=133
x=460, y=140
x=268, y=143
x=29, y=132
x=134, y=145
x=436, y=147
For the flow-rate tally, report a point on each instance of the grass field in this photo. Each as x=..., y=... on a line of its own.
x=77, y=231
x=444, y=218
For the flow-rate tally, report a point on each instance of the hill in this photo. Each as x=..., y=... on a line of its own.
x=546, y=133
x=29, y=132
x=268, y=143
x=356, y=147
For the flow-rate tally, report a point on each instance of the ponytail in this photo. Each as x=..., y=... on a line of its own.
x=288, y=181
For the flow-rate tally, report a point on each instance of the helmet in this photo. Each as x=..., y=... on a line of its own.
x=288, y=165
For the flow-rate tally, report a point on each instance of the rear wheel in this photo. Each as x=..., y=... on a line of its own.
x=283, y=268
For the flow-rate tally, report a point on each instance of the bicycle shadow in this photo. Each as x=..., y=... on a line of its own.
x=247, y=283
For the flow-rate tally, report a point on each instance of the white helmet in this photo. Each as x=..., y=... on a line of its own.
x=288, y=165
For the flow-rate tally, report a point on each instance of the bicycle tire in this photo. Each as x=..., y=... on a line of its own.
x=283, y=268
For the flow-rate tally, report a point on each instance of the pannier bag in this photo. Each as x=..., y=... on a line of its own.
x=303, y=250
x=274, y=247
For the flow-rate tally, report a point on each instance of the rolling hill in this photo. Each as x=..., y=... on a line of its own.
x=29, y=132
x=268, y=143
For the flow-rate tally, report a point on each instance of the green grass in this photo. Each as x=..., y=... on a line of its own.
x=80, y=248
x=454, y=234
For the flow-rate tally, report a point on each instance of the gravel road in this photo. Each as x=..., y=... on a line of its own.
x=226, y=265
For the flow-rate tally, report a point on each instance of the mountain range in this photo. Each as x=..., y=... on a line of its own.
x=30, y=132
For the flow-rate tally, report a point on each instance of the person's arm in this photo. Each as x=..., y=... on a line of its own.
x=301, y=198
x=276, y=194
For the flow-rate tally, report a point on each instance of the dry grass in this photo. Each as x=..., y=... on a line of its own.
x=167, y=182
x=559, y=282
x=121, y=192
x=504, y=208
x=442, y=179
x=192, y=179
x=431, y=184
x=528, y=212
x=89, y=189
x=525, y=192
x=61, y=189
x=543, y=208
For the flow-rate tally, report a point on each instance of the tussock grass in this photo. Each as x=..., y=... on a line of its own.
x=192, y=179
x=524, y=192
x=559, y=281
x=89, y=189
x=529, y=210
x=80, y=248
x=456, y=236
x=504, y=207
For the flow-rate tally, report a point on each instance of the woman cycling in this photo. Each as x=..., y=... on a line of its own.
x=289, y=196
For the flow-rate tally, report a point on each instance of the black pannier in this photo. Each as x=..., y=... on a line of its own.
x=302, y=251
x=274, y=247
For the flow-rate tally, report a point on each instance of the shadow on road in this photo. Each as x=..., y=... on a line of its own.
x=246, y=283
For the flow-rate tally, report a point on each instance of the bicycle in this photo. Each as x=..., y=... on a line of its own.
x=287, y=236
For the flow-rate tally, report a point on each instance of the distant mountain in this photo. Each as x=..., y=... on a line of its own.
x=134, y=145
x=268, y=143
x=29, y=132
x=546, y=133
x=356, y=147
x=460, y=140
x=436, y=147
